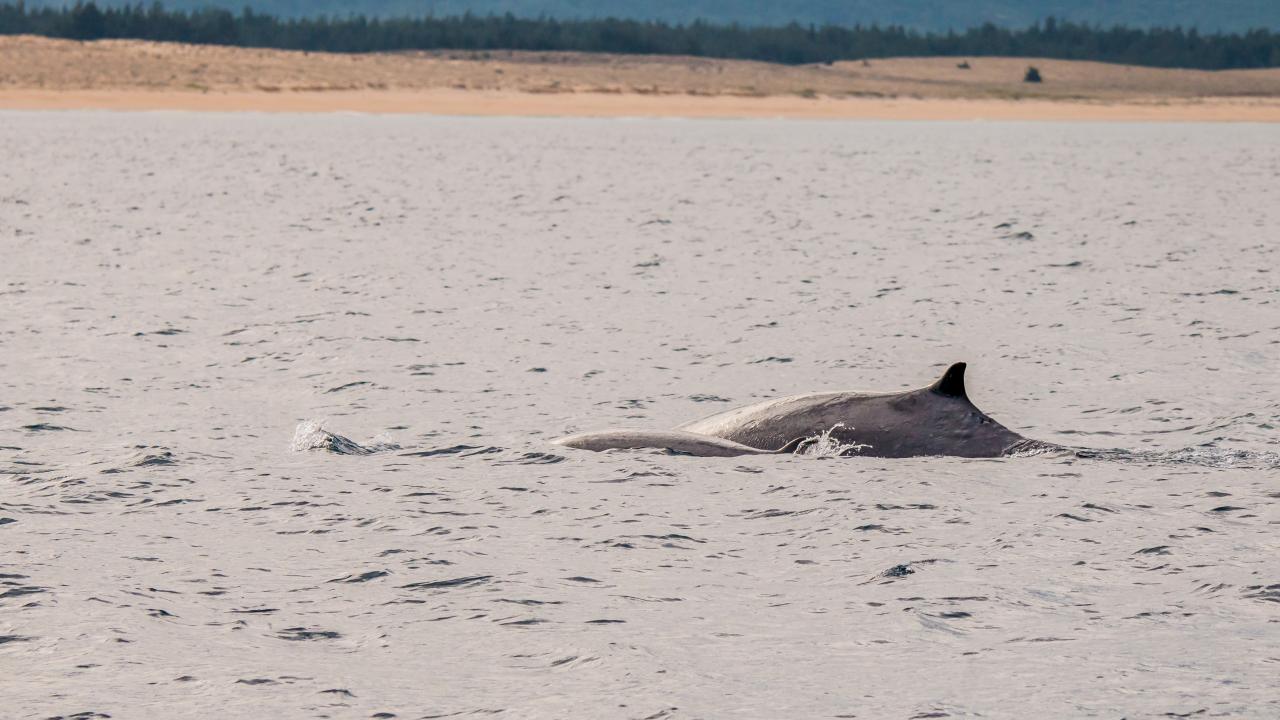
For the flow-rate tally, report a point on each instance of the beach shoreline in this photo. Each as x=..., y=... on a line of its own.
x=490, y=103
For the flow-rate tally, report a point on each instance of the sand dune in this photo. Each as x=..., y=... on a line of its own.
x=126, y=74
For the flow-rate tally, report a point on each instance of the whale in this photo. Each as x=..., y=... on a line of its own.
x=674, y=441
x=935, y=420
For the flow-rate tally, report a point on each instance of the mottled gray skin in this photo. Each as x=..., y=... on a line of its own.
x=674, y=440
x=934, y=420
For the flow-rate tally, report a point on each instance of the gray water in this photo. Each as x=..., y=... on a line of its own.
x=181, y=294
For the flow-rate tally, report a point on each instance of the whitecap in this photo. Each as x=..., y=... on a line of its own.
x=312, y=435
x=825, y=445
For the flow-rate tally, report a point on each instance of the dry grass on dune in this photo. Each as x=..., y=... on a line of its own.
x=33, y=63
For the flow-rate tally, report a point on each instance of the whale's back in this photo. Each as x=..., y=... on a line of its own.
x=935, y=420
x=685, y=443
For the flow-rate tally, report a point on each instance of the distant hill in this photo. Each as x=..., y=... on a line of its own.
x=938, y=15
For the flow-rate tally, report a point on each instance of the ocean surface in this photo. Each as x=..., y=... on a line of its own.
x=276, y=394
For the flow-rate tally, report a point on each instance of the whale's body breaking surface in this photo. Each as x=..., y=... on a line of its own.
x=934, y=420
x=678, y=441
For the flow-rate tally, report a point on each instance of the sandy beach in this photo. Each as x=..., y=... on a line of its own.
x=40, y=73
x=514, y=103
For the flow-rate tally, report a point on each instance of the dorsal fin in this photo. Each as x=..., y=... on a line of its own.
x=951, y=383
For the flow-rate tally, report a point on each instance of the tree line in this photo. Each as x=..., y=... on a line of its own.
x=789, y=44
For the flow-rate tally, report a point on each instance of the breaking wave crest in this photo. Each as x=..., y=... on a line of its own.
x=825, y=445
x=312, y=435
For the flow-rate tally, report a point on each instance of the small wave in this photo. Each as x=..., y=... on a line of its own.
x=456, y=450
x=824, y=445
x=144, y=456
x=155, y=458
x=1203, y=456
x=47, y=427
x=1031, y=448
x=312, y=435
x=533, y=458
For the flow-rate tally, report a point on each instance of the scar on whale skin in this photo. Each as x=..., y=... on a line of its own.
x=935, y=420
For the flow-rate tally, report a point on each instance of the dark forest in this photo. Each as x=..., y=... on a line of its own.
x=790, y=44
